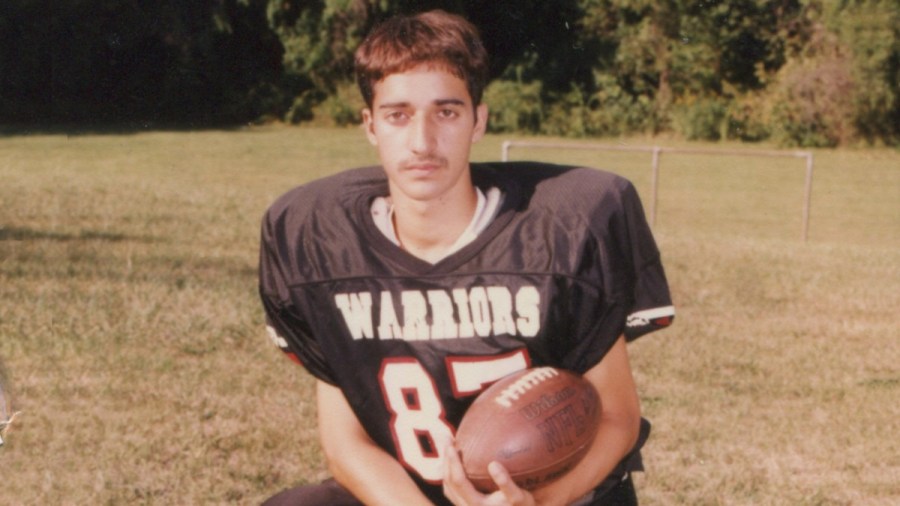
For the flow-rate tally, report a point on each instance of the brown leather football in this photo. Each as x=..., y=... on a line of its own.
x=539, y=423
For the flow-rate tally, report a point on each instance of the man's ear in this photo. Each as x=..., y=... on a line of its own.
x=369, y=126
x=481, y=120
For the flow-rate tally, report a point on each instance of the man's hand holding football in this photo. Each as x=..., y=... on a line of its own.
x=461, y=492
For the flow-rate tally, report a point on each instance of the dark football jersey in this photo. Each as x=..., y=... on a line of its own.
x=566, y=267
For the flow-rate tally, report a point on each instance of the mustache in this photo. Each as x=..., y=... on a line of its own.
x=424, y=160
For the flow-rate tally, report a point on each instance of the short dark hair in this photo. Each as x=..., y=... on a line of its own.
x=435, y=38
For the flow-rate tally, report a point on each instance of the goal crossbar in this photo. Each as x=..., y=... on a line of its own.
x=656, y=151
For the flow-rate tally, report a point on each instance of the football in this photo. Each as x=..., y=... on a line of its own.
x=539, y=423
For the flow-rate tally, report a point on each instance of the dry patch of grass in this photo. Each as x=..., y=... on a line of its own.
x=778, y=384
x=133, y=336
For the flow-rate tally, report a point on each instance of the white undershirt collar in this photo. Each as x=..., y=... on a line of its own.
x=485, y=210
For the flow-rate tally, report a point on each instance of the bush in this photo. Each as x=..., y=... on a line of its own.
x=566, y=116
x=514, y=106
x=341, y=108
x=814, y=102
x=614, y=111
x=703, y=119
x=608, y=111
x=748, y=119
x=301, y=108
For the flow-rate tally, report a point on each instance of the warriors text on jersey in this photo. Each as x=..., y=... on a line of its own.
x=566, y=267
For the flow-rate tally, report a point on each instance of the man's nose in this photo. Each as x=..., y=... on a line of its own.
x=422, y=135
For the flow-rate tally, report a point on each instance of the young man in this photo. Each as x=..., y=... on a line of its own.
x=406, y=289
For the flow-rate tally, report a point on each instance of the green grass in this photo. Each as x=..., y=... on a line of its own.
x=131, y=330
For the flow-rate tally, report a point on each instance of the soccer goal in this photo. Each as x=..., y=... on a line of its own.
x=656, y=151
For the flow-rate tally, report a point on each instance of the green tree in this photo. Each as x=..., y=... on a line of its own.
x=678, y=63
x=870, y=32
x=319, y=37
x=531, y=40
x=841, y=84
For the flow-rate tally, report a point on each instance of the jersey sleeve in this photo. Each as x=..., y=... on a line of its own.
x=620, y=286
x=647, y=290
x=285, y=324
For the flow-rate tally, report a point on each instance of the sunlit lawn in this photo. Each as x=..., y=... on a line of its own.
x=131, y=329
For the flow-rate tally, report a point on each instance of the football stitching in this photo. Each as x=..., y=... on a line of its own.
x=522, y=385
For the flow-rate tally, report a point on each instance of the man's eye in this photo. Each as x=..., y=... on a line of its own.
x=448, y=113
x=396, y=116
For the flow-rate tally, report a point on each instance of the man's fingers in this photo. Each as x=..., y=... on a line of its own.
x=507, y=487
x=457, y=487
x=501, y=477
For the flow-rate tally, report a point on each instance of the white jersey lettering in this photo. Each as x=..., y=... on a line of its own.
x=501, y=310
x=528, y=306
x=481, y=311
x=388, y=324
x=461, y=299
x=439, y=314
x=443, y=326
x=415, y=314
x=357, y=311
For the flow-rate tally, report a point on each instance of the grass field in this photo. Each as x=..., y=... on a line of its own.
x=132, y=333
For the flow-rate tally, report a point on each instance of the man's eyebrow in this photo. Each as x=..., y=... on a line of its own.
x=449, y=101
x=394, y=105
x=440, y=101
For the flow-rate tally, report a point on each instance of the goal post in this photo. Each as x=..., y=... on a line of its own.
x=657, y=151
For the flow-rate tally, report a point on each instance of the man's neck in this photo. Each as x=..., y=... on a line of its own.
x=428, y=229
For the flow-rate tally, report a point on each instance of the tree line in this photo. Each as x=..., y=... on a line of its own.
x=797, y=72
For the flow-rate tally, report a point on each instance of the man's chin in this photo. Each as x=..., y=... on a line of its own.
x=421, y=189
